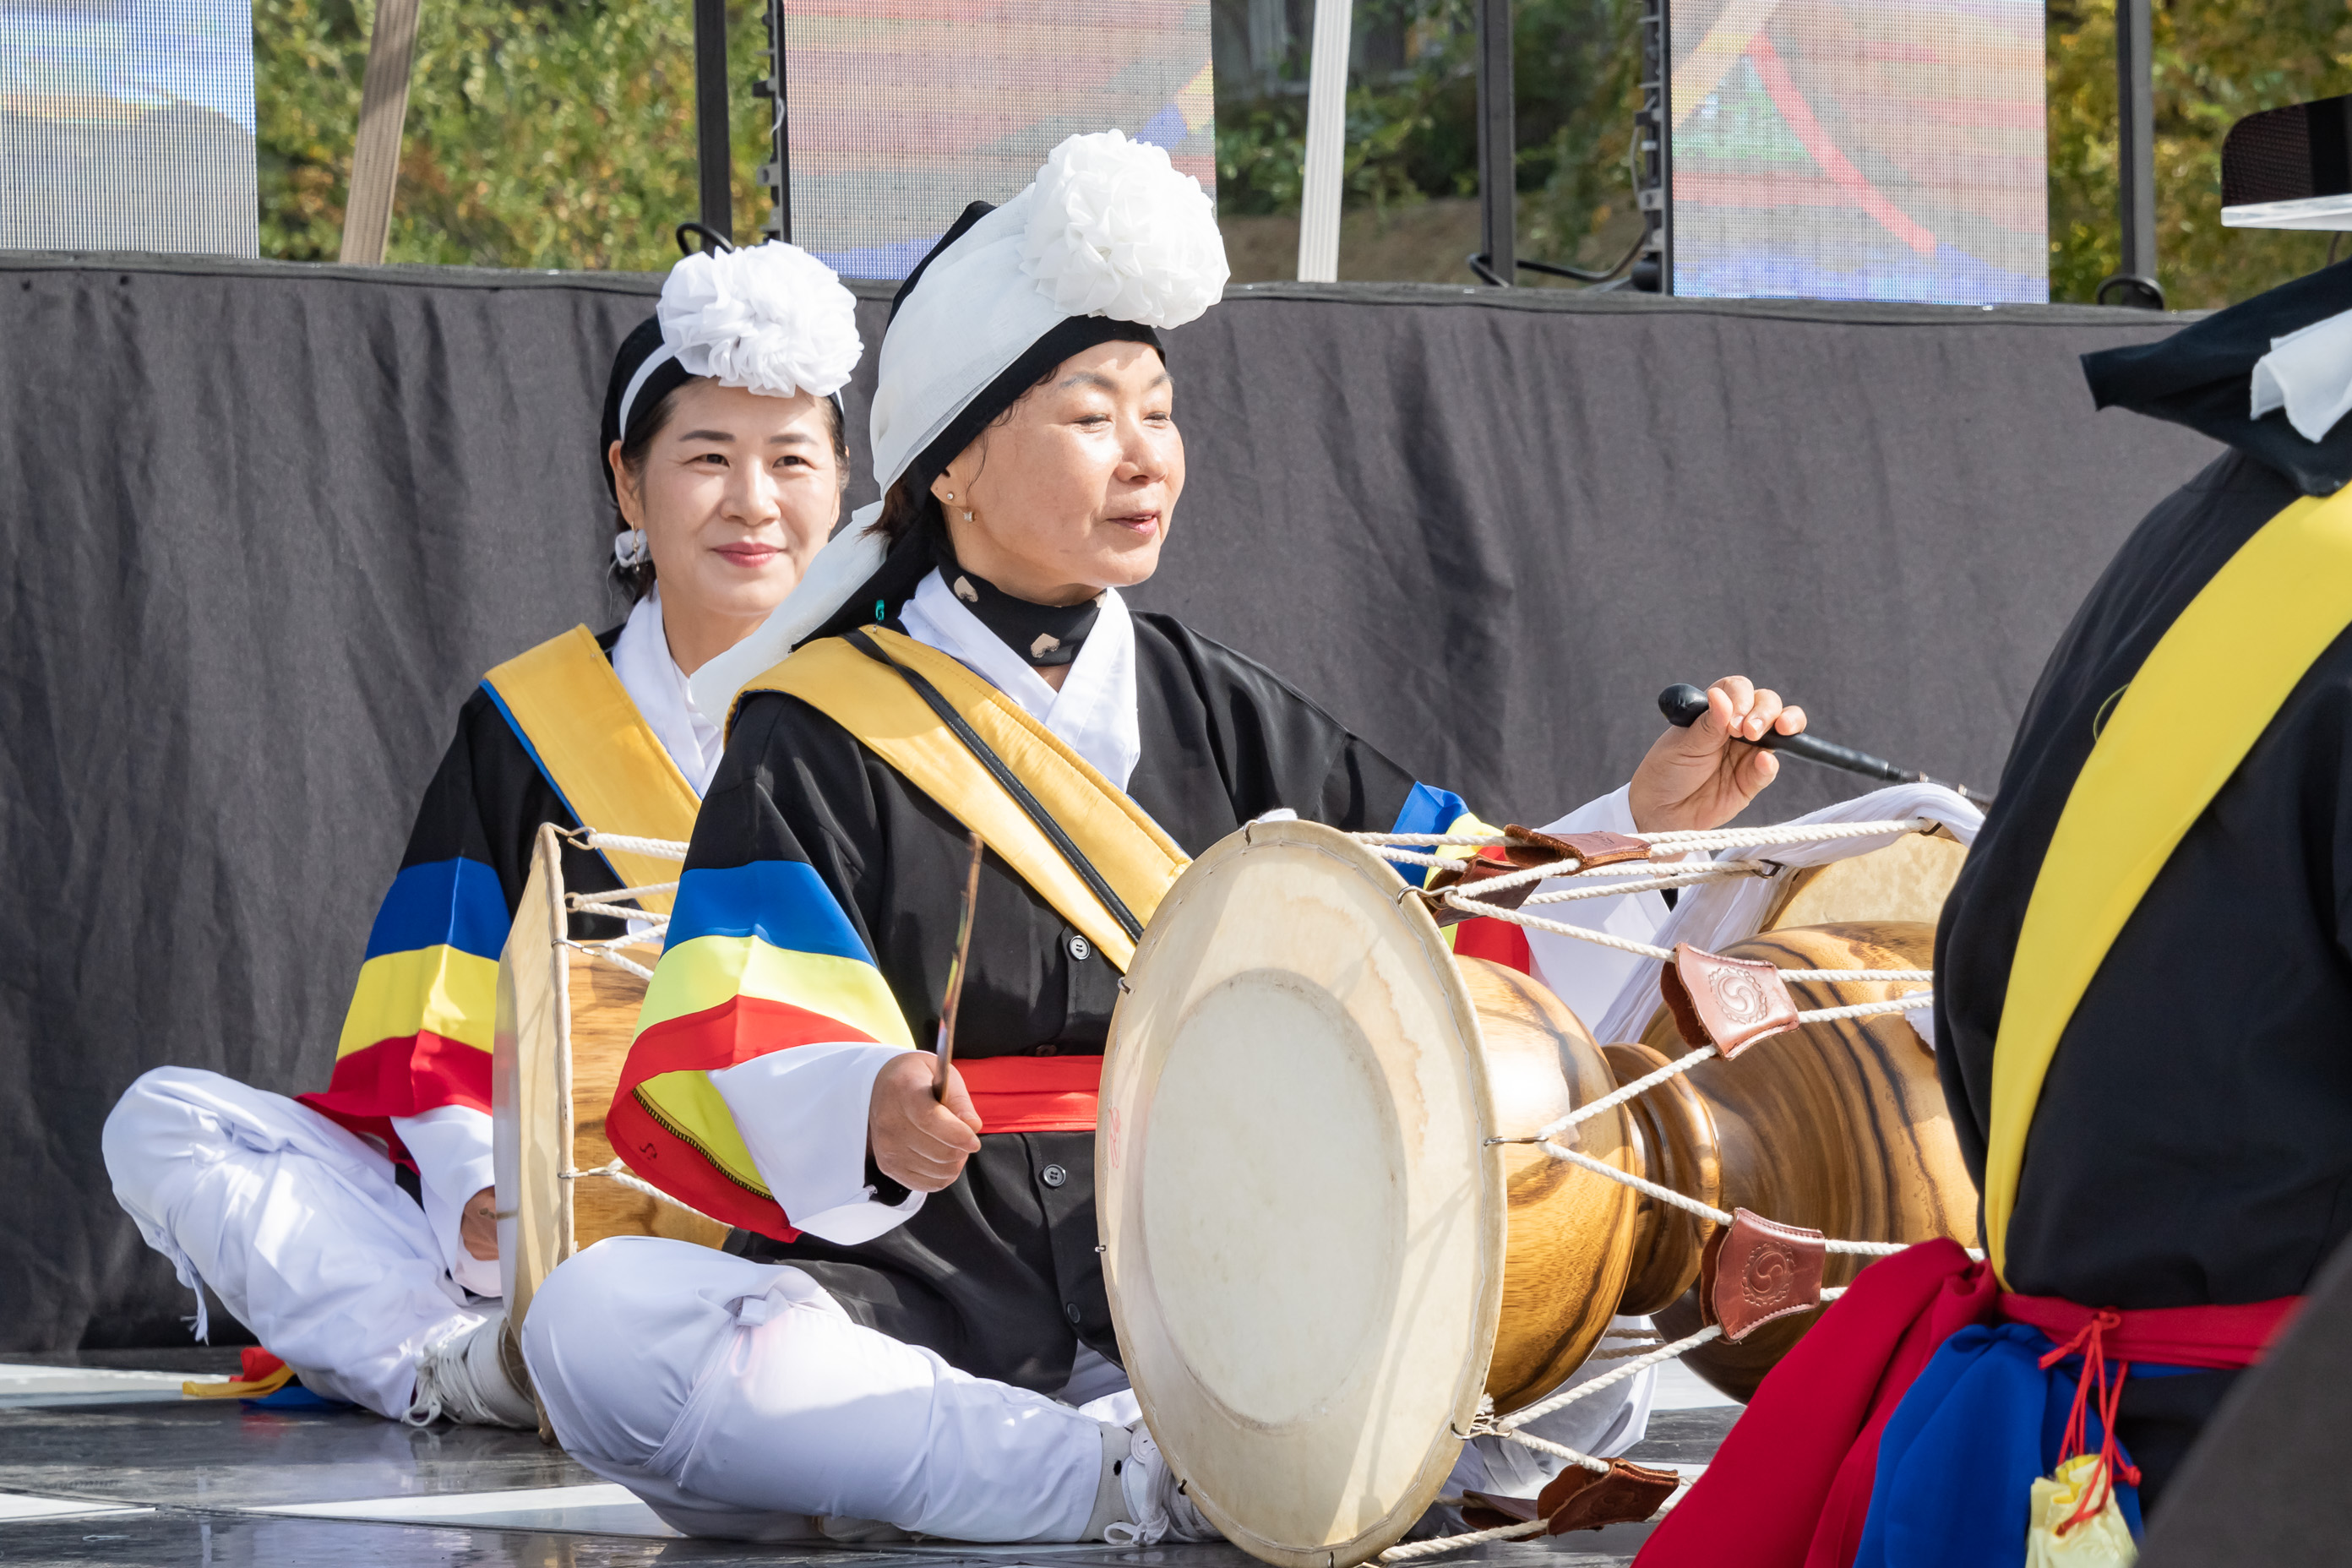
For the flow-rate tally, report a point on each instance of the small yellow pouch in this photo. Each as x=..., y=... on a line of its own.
x=2102, y=1540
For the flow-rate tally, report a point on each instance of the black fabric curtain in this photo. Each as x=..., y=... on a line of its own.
x=268, y=523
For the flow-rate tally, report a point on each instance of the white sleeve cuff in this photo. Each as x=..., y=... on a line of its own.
x=451, y=1146
x=1584, y=974
x=803, y=1114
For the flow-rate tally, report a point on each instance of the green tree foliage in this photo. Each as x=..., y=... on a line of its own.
x=1413, y=132
x=2215, y=64
x=560, y=132
x=1412, y=135
x=540, y=132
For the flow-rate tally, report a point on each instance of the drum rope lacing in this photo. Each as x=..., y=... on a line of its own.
x=616, y=1172
x=653, y=926
x=1683, y=839
x=1648, y=1350
x=655, y=932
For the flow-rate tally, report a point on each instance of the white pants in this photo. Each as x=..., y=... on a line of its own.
x=1604, y=1425
x=738, y=1399
x=295, y=1223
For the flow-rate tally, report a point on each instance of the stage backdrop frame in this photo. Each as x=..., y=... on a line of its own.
x=271, y=521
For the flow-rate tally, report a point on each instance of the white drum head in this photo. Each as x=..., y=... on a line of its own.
x=1303, y=1226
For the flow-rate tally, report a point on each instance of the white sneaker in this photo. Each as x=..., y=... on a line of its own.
x=1157, y=1507
x=474, y=1376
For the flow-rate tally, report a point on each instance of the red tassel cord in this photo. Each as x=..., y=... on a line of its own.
x=2087, y=1342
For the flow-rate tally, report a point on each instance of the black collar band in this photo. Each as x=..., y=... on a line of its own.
x=1040, y=634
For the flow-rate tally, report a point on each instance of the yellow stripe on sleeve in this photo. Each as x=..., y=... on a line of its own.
x=440, y=989
x=710, y=970
x=690, y=1106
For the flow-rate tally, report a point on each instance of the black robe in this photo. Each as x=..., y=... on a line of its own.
x=2194, y=1140
x=999, y=1273
x=460, y=881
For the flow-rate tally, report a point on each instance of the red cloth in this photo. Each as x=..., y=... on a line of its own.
x=1791, y=1486
x=1498, y=941
x=1034, y=1094
x=256, y=1364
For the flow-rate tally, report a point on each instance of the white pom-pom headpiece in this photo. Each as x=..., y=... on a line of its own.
x=768, y=318
x=1114, y=230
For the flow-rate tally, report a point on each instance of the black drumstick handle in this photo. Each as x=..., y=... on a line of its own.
x=1682, y=703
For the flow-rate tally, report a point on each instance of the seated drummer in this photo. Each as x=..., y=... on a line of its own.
x=2143, y=975
x=914, y=1311
x=353, y=1229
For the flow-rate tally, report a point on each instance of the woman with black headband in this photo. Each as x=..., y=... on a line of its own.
x=914, y=1334
x=353, y=1230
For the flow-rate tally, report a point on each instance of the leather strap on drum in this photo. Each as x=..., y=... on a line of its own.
x=1067, y=830
x=577, y=722
x=2231, y=658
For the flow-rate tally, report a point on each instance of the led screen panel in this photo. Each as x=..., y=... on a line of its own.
x=1860, y=149
x=904, y=111
x=127, y=125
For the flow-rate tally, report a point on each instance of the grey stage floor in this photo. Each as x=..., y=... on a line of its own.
x=105, y=1463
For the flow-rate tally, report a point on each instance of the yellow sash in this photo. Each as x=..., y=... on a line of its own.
x=2205, y=694
x=593, y=744
x=875, y=703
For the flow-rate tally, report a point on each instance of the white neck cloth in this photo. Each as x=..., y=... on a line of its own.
x=2309, y=374
x=1094, y=714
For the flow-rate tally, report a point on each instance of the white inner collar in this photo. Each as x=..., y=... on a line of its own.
x=1093, y=713
x=654, y=683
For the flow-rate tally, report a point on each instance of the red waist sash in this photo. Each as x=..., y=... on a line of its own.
x=1791, y=1486
x=1034, y=1094
x=2222, y=1338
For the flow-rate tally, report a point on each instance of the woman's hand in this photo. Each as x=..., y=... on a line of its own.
x=1705, y=775
x=478, y=1225
x=916, y=1140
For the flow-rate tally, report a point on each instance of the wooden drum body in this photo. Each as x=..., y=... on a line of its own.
x=1310, y=1240
x=1840, y=1127
x=1321, y=1249
x=565, y=1024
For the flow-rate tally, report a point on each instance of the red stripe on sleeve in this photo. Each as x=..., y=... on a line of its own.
x=737, y=1030
x=659, y=1156
x=405, y=1075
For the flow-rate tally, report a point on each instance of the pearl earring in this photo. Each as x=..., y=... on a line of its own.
x=629, y=549
x=950, y=495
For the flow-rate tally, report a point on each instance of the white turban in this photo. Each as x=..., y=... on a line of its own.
x=1108, y=228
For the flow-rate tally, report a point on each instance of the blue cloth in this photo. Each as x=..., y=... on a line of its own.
x=294, y=1396
x=1958, y=1458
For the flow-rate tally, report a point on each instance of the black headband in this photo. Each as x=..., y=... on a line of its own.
x=1074, y=335
x=666, y=377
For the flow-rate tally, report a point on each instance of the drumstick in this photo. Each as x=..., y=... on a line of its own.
x=1682, y=703
x=955, y=972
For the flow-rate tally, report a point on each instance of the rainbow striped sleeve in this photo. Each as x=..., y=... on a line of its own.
x=419, y=1030
x=761, y=959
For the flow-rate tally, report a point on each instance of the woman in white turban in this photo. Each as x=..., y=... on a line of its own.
x=353, y=1229
x=912, y=1332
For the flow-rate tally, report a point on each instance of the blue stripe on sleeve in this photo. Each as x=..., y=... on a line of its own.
x=783, y=903
x=458, y=902
x=1428, y=810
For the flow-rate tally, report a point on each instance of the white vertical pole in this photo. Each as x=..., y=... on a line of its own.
x=1327, y=128
x=375, y=152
